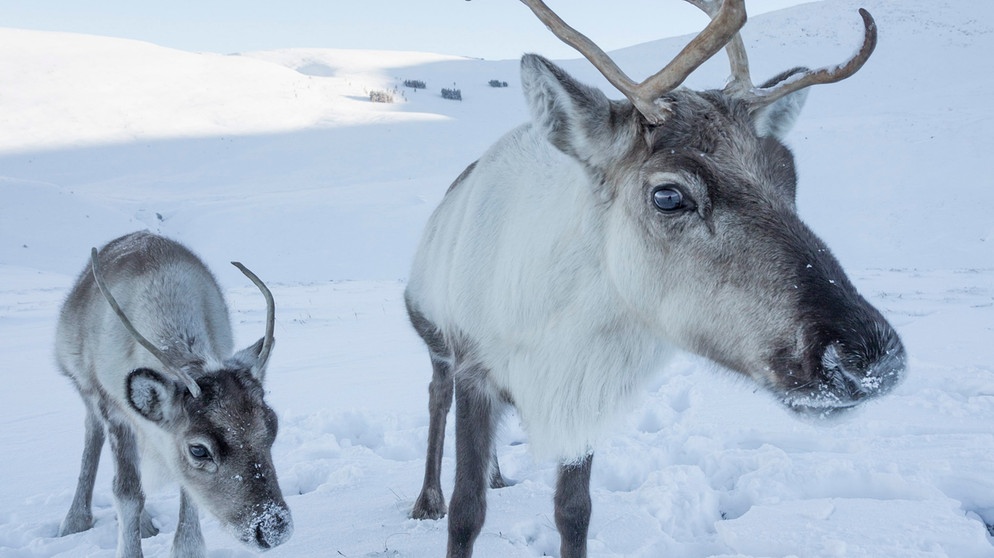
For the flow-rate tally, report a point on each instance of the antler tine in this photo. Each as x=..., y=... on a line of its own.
x=740, y=81
x=183, y=375
x=267, y=341
x=761, y=97
x=722, y=28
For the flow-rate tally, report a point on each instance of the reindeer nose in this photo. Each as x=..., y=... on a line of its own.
x=273, y=527
x=872, y=366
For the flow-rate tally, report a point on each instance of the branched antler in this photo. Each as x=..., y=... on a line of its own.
x=727, y=18
x=725, y=24
x=740, y=84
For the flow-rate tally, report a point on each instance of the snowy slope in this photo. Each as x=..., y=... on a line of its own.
x=278, y=159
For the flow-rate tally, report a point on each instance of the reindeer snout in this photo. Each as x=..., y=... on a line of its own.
x=854, y=375
x=272, y=527
x=867, y=362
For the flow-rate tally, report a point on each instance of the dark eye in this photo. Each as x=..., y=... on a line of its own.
x=199, y=452
x=669, y=198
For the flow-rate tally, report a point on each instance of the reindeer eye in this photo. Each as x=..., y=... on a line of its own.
x=199, y=452
x=670, y=199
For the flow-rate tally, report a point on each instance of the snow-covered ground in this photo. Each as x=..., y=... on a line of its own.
x=279, y=160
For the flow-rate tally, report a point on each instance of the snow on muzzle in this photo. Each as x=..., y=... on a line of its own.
x=848, y=375
x=267, y=528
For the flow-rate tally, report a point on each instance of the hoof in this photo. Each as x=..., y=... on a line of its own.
x=75, y=524
x=499, y=481
x=430, y=505
x=147, y=528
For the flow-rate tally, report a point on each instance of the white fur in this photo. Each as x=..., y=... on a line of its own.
x=174, y=302
x=108, y=353
x=514, y=260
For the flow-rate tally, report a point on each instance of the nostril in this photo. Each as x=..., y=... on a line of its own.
x=260, y=537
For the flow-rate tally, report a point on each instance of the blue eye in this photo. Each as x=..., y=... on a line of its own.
x=669, y=198
x=199, y=452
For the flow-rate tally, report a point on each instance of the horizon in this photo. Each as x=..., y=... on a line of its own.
x=476, y=29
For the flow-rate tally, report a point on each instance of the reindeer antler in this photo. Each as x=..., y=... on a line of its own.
x=724, y=26
x=727, y=18
x=267, y=341
x=740, y=84
x=738, y=60
x=158, y=353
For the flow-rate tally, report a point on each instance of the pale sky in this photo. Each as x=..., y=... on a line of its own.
x=491, y=29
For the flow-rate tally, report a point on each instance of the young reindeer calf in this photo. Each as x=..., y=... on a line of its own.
x=160, y=379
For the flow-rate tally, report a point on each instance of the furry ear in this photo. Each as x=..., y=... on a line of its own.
x=151, y=394
x=777, y=118
x=575, y=117
x=249, y=358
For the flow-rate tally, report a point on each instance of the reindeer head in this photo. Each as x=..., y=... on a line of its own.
x=703, y=240
x=219, y=445
x=215, y=431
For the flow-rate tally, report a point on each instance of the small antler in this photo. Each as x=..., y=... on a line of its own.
x=724, y=25
x=267, y=341
x=740, y=84
x=158, y=353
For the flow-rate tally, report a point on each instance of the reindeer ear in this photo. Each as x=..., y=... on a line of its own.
x=151, y=394
x=777, y=118
x=250, y=358
x=575, y=117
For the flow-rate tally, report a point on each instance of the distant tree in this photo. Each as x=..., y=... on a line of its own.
x=497, y=83
x=452, y=94
x=414, y=83
x=380, y=96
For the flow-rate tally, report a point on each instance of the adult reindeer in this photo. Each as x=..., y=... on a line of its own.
x=161, y=380
x=587, y=245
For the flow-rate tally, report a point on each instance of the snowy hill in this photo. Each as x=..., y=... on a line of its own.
x=278, y=159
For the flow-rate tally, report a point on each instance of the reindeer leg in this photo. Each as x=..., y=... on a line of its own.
x=80, y=515
x=477, y=412
x=572, y=503
x=188, y=542
x=128, y=493
x=431, y=502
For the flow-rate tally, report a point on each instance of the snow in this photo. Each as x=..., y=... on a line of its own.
x=277, y=159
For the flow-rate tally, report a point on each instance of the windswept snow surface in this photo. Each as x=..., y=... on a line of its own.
x=278, y=159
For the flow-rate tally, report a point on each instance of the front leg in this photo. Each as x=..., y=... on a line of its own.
x=188, y=542
x=80, y=515
x=127, y=487
x=573, y=507
x=476, y=415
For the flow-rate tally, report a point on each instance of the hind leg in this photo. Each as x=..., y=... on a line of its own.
x=431, y=502
x=80, y=515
